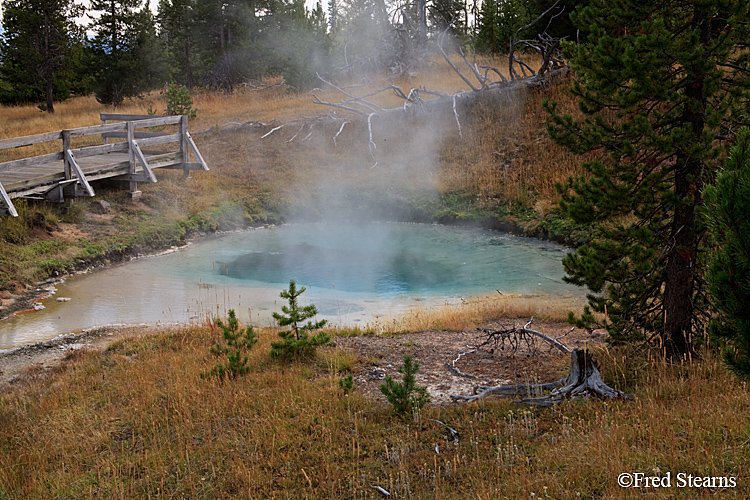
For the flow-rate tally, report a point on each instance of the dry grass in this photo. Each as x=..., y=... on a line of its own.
x=472, y=313
x=138, y=422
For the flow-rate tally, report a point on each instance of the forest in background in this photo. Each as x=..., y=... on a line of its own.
x=48, y=54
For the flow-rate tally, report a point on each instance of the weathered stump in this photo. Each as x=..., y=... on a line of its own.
x=583, y=381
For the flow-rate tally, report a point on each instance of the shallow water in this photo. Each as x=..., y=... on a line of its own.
x=354, y=272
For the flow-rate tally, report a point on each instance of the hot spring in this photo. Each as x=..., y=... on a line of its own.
x=354, y=273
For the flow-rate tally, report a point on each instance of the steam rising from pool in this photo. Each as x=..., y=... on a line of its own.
x=354, y=272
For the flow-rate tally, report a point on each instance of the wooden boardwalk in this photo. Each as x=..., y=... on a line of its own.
x=68, y=173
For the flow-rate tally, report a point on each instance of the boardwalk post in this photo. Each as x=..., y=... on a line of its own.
x=184, y=144
x=66, y=146
x=6, y=208
x=59, y=194
x=134, y=193
x=105, y=140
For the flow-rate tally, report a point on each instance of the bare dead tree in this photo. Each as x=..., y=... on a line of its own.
x=583, y=381
x=547, y=46
x=398, y=48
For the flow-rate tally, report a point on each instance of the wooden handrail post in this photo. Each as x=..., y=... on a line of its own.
x=65, y=147
x=134, y=193
x=184, y=149
x=105, y=140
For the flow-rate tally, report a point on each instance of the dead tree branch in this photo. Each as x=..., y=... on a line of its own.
x=583, y=381
x=548, y=47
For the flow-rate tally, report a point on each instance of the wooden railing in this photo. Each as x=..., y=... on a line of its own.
x=40, y=175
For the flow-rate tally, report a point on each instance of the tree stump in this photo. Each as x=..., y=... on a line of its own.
x=584, y=381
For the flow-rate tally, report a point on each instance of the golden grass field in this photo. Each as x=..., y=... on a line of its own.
x=137, y=420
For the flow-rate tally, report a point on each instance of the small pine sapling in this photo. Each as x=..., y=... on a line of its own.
x=347, y=383
x=405, y=396
x=297, y=341
x=238, y=342
x=179, y=101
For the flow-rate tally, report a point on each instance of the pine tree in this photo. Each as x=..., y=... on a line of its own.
x=297, y=341
x=36, y=38
x=127, y=52
x=487, y=39
x=333, y=15
x=727, y=211
x=658, y=83
x=177, y=22
x=405, y=396
x=237, y=341
x=498, y=22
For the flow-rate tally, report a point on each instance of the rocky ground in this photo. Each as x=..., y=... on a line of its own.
x=41, y=359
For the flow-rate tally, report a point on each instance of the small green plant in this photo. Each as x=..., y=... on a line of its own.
x=405, y=396
x=238, y=342
x=347, y=383
x=297, y=342
x=179, y=101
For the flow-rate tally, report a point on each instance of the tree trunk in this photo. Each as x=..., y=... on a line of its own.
x=48, y=64
x=50, y=102
x=422, y=24
x=188, y=66
x=680, y=279
x=680, y=271
x=583, y=382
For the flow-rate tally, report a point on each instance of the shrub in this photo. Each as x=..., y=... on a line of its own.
x=238, y=342
x=347, y=383
x=405, y=396
x=179, y=101
x=297, y=342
